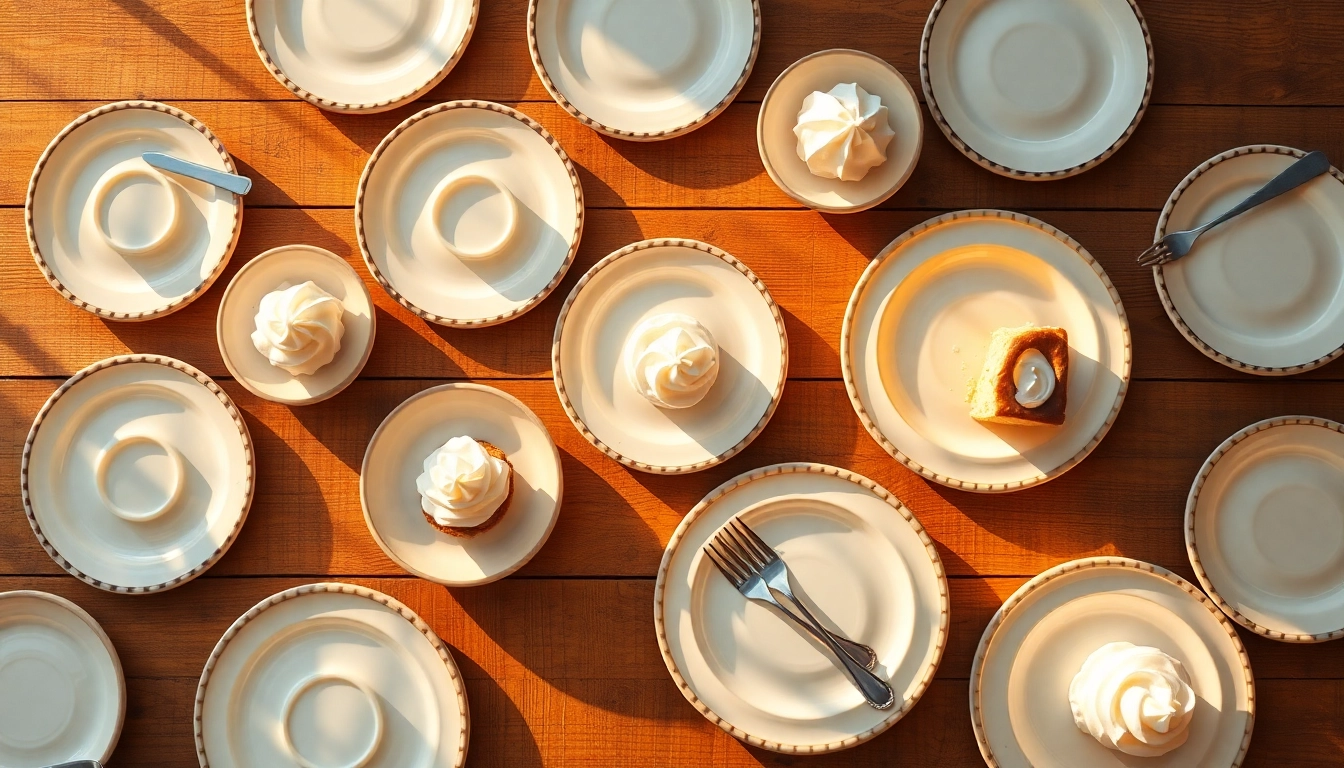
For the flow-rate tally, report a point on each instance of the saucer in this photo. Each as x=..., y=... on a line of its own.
x=654, y=277
x=274, y=270
x=62, y=694
x=469, y=213
x=644, y=70
x=1036, y=89
x=360, y=56
x=117, y=237
x=1039, y=639
x=1270, y=316
x=331, y=675
x=137, y=474
x=821, y=71
x=917, y=327
x=395, y=458
x=1264, y=526
x=862, y=563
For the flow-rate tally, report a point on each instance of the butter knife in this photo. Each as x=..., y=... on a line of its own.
x=239, y=185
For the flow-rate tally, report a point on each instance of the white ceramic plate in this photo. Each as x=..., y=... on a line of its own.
x=395, y=458
x=469, y=213
x=137, y=474
x=822, y=71
x=360, y=55
x=121, y=239
x=1274, y=315
x=1039, y=639
x=653, y=277
x=331, y=675
x=858, y=557
x=1264, y=527
x=916, y=329
x=62, y=695
x=1037, y=89
x=644, y=69
x=280, y=268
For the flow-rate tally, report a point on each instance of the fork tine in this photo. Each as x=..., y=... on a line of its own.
x=746, y=547
x=728, y=549
x=763, y=549
x=1156, y=254
x=727, y=570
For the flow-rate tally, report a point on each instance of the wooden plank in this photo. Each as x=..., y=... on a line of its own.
x=1126, y=499
x=809, y=261
x=300, y=156
x=560, y=696
x=1207, y=51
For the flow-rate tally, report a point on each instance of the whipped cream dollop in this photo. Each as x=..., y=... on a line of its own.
x=672, y=360
x=1134, y=699
x=462, y=485
x=843, y=133
x=299, y=328
x=1034, y=377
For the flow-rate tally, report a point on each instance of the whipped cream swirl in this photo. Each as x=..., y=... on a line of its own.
x=672, y=360
x=1034, y=378
x=843, y=133
x=299, y=328
x=1134, y=699
x=462, y=485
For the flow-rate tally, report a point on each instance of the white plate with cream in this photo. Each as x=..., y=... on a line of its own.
x=1264, y=292
x=331, y=675
x=117, y=237
x=644, y=69
x=1037, y=89
x=296, y=325
x=360, y=55
x=863, y=564
x=396, y=475
x=138, y=474
x=1194, y=679
x=1264, y=527
x=918, y=326
x=840, y=131
x=62, y=693
x=469, y=213
x=670, y=356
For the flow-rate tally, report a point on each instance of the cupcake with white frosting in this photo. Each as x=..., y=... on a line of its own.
x=466, y=486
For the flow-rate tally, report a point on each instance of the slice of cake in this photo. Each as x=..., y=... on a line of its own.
x=1025, y=379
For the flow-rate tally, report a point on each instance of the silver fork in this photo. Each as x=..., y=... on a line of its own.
x=740, y=546
x=1178, y=244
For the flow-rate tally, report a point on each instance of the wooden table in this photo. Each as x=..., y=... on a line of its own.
x=561, y=663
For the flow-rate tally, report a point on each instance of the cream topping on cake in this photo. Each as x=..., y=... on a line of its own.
x=843, y=133
x=1034, y=378
x=672, y=360
x=299, y=328
x=1134, y=699
x=462, y=485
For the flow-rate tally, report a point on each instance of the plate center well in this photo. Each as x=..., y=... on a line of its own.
x=1299, y=529
x=37, y=700
x=366, y=26
x=332, y=722
x=1039, y=67
x=648, y=39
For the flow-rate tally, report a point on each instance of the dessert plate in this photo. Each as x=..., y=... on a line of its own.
x=821, y=71
x=1274, y=315
x=862, y=563
x=650, y=278
x=117, y=237
x=137, y=474
x=644, y=69
x=1038, y=640
x=62, y=694
x=916, y=331
x=1036, y=89
x=282, y=267
x=395, y=458
x=1264, y=527
x=469, y=213
x=360, y=55
x=331, y=675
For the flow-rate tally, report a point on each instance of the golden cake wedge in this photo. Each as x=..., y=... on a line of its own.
x=996, y=399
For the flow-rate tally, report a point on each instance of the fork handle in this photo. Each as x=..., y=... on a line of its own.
x=1308, y=167
x=874, y=689
x=857, y=651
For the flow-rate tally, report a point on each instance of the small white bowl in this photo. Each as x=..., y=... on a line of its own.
x=822, y=71
x=279, y=268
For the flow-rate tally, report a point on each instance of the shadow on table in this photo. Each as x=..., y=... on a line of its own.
x=500, y=735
